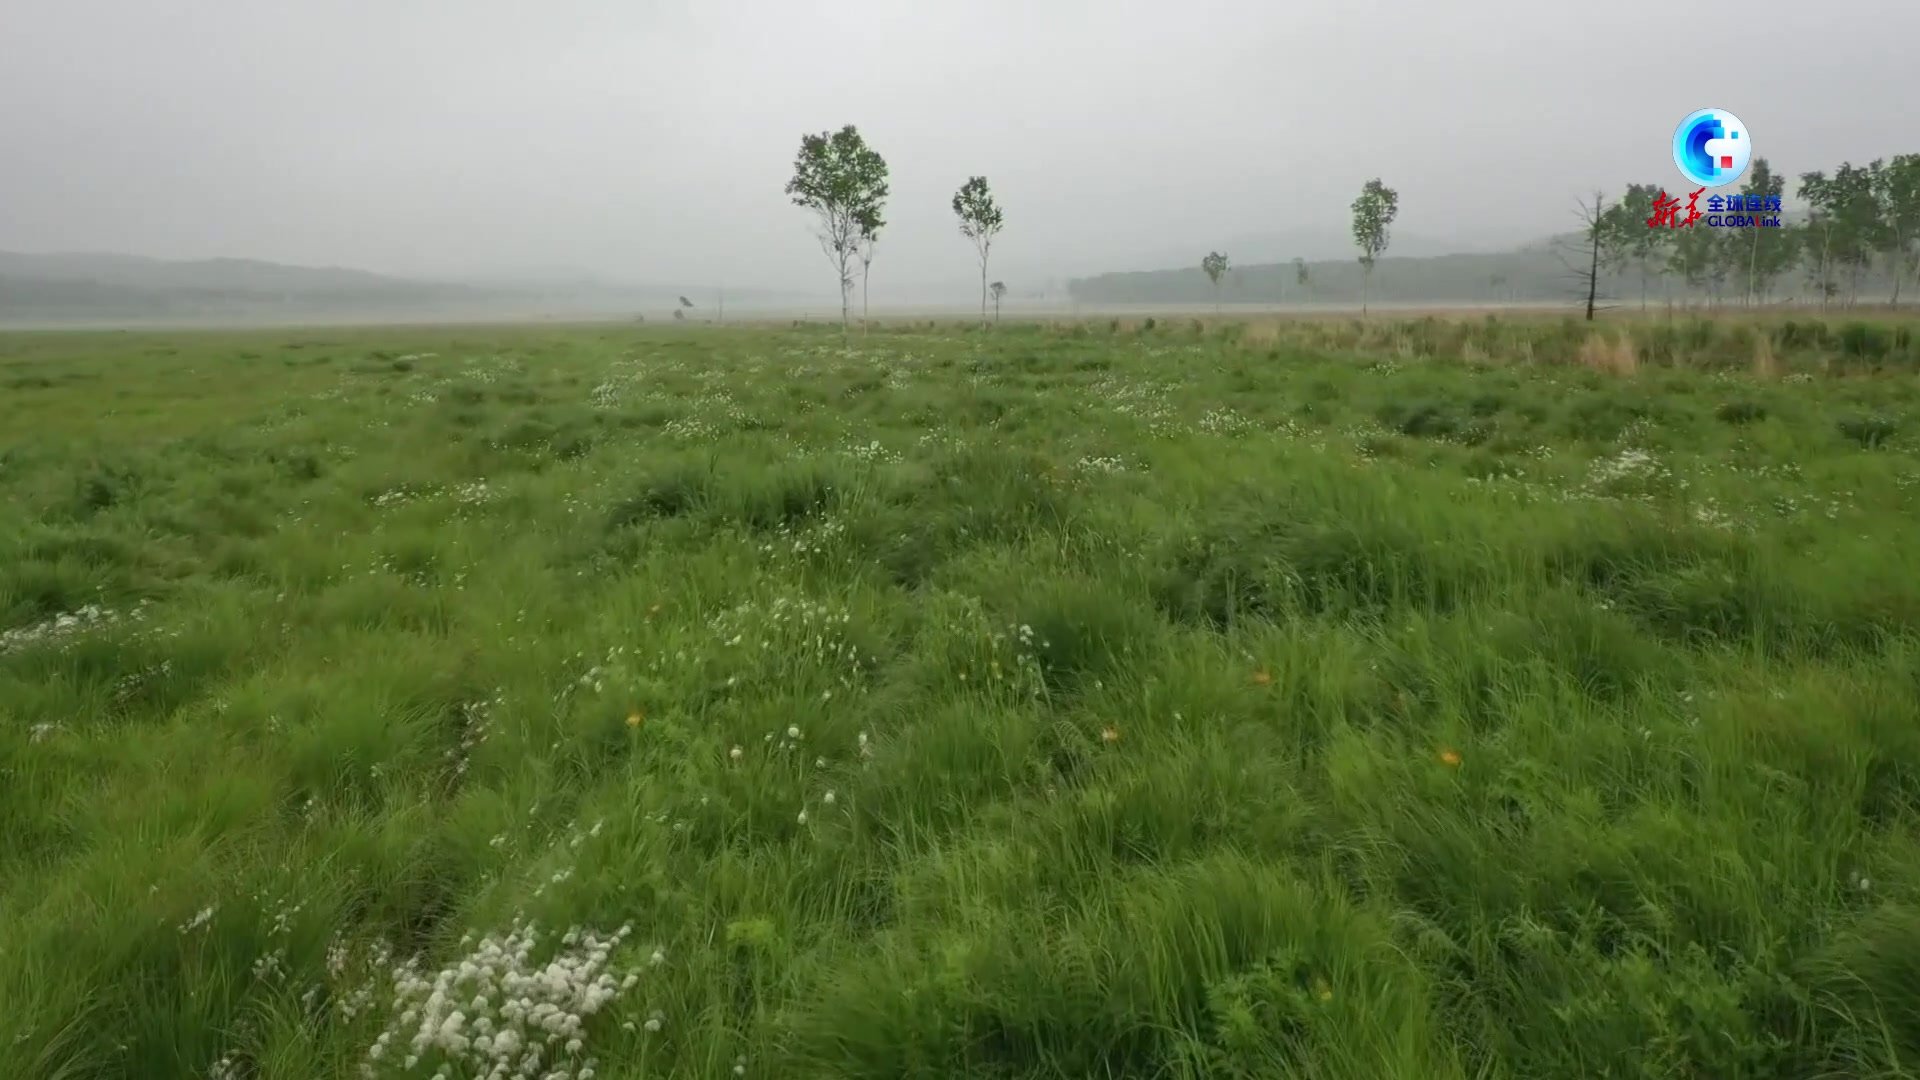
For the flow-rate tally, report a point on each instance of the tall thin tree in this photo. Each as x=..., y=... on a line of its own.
x=1373, y=214
x=1900, y=213
x=1639, y=241
x=869, y=234
x=1816, y=244
x=1601, y=242
x=844, y=182
x=1857, y=221
x=980, y=221
x=1768, y=248
x=1215, y=267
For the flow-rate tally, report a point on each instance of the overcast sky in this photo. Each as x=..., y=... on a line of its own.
x=650, y=139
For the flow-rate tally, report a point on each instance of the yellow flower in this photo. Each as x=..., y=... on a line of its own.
x=635, y=718
x=1262, y=678
x=1450, y=757
x=1110, y=735
x=1321, y=990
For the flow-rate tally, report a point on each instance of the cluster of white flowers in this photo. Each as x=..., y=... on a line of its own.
x=200, y=919
x=789, y=741
x=273, y=963
x=941, y=439
x=354, y=999
x=1141, y=400
x=1101, y=464
x=579, y=838
x=721, y=401
x=475, y=725
x=800, y=543
x=871, y=453
x=488, y=371
x=43, y=731
x=1629, y=469
x=606, y=395
x=1224, y=422
x=499, y=1013
x=787, y=630
x=559, y=877
x=1791, y=506
x=688, y=429
x=1021, y=670
x=1708, y=513
x=66, y=626
x=128, y=686
x=393, y=497
x=1784, y=470
x=623, y=376
x=473, y=493
x=594, y=677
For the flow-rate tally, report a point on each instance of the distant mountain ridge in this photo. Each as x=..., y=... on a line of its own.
x=111, y=287
x=139, y=271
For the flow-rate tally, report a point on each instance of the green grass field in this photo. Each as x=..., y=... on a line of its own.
x=1072, y=701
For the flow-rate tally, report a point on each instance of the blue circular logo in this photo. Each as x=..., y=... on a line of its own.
x=1712, y=147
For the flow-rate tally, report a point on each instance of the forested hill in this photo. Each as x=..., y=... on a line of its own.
x=1545, y=274
x=116, y=289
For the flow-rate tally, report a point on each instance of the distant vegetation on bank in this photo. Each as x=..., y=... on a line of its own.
x=1539, y=275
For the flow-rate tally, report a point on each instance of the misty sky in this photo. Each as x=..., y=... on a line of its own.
x=648, y=140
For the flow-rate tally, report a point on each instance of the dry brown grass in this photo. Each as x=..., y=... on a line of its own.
x=1765, y=364
x=1261, y=334
x=1612, y=354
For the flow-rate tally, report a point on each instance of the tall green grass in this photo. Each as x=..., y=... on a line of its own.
x=1298, y=699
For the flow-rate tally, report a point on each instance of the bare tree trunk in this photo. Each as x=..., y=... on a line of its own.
x=1753, y=263
x=866, y=269
x=983, y=290
x=1366, y=279
x=1593, y=262
x=1826, y=242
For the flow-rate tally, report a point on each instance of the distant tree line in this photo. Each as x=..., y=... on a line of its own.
x=1856, y=228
